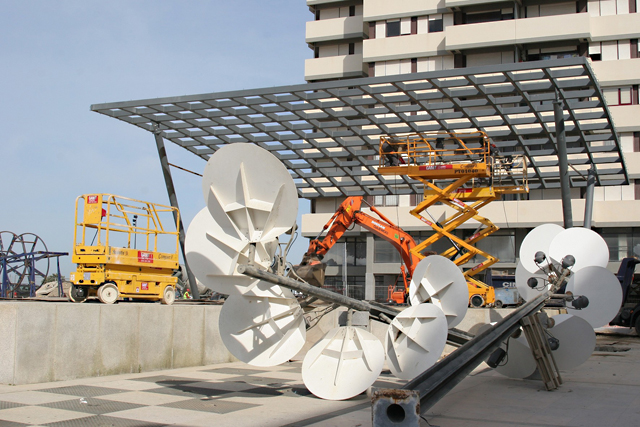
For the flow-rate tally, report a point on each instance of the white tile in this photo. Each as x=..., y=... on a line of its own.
x=162, y=415
x=39, y=415
x=35, y=397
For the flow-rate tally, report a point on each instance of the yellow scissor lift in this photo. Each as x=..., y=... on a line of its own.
x=117, y=244
x=462, y=171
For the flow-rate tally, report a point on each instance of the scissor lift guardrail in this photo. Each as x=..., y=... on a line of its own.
x=462, y=171
x=115, y=263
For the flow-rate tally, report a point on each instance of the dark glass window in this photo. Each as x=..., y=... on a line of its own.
x=384, y=251
x=393, y=28
x=352, y=11
x=352, y=48
x=435, y=25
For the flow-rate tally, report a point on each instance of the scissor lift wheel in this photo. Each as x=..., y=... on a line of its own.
x=108, y=293
x=169, y=295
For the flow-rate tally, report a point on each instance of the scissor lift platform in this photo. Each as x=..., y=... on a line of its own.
x=462, y=171
x=123, y=250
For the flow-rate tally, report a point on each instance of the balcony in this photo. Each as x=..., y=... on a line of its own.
x=625, y=117
x=317, y=2
x=376, y=10
x=615, y=27
x=465, y=3
x=623, y=72
x=335, y=29
x=334, y=67
x=518, y=31
x=403, y=47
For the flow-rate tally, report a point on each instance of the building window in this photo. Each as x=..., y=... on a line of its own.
x=352, y=48
x=622, y=243
x=436, y=24
x=618, y=96
x=384, y=252
x=355, y=286
x=384, y=282
x=356, y=252
x=352, y=10
x=390, y=200
x=501, y=245
x=393, y=28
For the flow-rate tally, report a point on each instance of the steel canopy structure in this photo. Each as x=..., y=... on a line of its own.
x=327, y=133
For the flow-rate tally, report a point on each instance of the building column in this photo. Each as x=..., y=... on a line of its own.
x=173, y=200
x=369, y=278
x=563, y=163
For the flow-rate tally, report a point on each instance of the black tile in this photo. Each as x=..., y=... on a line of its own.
x=185, y=390
x=4, y=423
x=92, y=405
x=84, y=390
x=103, y=421
x=235, y=371
x=9, y=405
x=218, y=406
x=167, y=380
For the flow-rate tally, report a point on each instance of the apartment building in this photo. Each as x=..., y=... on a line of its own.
x=370, y=38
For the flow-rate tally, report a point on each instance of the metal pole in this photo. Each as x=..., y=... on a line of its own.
x=455, y=337
x=563, y=162
x=437, y=381
x=173, y=200
x=588, y=200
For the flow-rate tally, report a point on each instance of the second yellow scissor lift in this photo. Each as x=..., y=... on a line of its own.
x=464, y=172
x=123, y=250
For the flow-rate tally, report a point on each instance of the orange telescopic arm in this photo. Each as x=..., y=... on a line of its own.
x=348, y=214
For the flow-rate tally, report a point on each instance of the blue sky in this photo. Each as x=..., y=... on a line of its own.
x=59, y=57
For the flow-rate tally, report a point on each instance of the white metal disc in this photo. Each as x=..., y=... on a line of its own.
x=415, y=340
x=262, y=331
x=246, y=187
x=577, y=341
x=519, y=362
x=522, y=275
x=604, y=292
x=538, y=239
x=343, y=364
x=214, y=253
x=438, y=279
x=586, y=246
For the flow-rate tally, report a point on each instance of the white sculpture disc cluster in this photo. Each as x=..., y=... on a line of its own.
x=250, y=201
x=589, y=277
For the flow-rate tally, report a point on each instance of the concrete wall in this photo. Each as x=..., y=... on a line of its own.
x=46, y=341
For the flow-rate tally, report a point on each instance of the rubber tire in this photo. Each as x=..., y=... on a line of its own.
x=498, y=304
x=108, y=293
x=474, y=301
x=169, y=295
x=637, y=326
x=77, y=299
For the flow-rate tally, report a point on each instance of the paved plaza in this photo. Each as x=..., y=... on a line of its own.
x=605, y=391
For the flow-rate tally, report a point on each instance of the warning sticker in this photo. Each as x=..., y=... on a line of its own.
x=145, y=286
x=92, y=199
x=145, y=257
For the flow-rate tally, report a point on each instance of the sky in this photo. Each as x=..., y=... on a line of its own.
x=60, y=57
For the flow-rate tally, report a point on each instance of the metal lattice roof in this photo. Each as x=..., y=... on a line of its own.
x=327, y=133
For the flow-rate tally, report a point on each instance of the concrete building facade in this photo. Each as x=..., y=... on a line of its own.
x=371, y=38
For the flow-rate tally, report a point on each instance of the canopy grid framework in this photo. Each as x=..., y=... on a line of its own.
x=327, y=134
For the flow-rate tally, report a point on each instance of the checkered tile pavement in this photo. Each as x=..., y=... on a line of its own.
x=232, y=394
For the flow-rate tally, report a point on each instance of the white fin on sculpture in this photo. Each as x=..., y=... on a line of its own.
x=262, y=331
x=438, y=280
x=415, y=340
x=343, y=364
